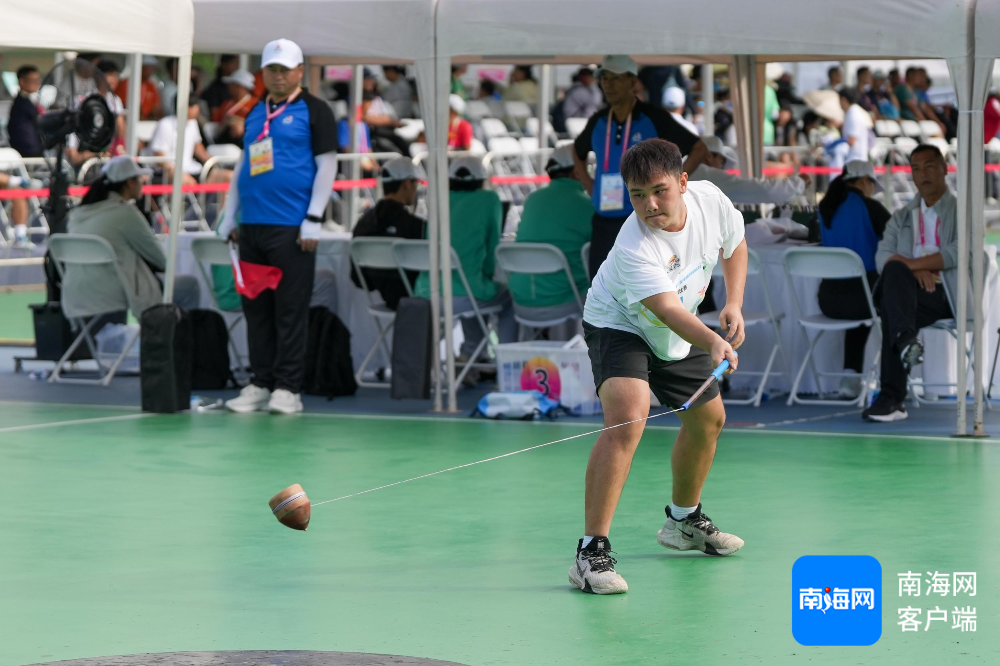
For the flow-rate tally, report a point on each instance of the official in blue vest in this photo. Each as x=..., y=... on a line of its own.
x=624, y=122
x=280, y=192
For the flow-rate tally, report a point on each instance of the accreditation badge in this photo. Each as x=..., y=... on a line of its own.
x=612, y=192
x=261, y=156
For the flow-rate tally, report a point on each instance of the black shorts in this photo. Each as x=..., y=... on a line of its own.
x=615, y=353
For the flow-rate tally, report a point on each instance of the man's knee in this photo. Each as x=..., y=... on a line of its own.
x=707, y=420
x=894, y=271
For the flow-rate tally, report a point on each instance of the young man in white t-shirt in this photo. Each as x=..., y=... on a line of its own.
x=643, y=333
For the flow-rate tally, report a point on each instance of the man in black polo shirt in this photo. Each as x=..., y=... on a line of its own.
x=282, y=187
x=605, y=136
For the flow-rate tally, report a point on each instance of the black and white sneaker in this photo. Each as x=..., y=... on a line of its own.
x=911, y=354
x=697, y=532
x=594, y=568
x=885, y=410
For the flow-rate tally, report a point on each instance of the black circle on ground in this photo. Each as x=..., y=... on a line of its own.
x=255, y=658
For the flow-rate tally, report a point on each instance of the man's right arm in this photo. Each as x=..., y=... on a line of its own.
x=668, y=309
x=227, y=227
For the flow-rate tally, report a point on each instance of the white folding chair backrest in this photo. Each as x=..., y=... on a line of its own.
x=753, y=264
x=518, y=109
x=477, y=147
x=888, y=128
x=930, y=129
x=87, y=250
x=144, y=130
x=223, y=150
x=493, y=127
x=208, y=131
x=535, y=259
x=475, y=109
x=505, y=145
x=829, y=263
x=374, y=252
x=211, y=251
x=532, y=126
x=10, y=159
x=529, y=143
x=911, y=128
x=415, y=255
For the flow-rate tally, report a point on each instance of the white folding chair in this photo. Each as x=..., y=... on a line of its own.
x=574, y=126
x=911, y=128
x=209, y=130
x=210, y=252
x=930, y=129
x=752, y=318
x=492, y=128
x=94, y=251
x=832, y=263
x=12, y=162
x=538, y=259
x=951, y=327
x=376, y=253
x=887, y=128
x=415, y=255
x=476, y=109
x=144, y=130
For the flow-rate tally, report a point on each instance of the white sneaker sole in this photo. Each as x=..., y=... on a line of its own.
x=888, y=418
x=675, y=541
x=246, y=409
x=577, y=581
x=275, y=409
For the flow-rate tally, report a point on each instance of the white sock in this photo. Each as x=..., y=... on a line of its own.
x=681, y=512
x=21, y=230
x=586, y=541
x=14, y=181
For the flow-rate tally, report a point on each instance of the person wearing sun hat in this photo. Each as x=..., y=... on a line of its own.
x=108, y=210
x=283, y=185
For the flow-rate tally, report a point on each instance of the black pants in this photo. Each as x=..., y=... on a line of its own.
x=604, y=231
x=905, y=309
x=845, y=299
x=278, y=320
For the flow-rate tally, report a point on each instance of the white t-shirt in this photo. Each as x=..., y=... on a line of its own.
x=645, y=262
x=165, y=141
x=856, y=124
x=930, y=244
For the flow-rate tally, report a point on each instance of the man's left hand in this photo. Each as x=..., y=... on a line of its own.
x=731, y=320
x=309, y=235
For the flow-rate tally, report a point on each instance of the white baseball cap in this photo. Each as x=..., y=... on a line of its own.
x=283, y=52
x=401, y=168
x=618, y=64
x=861, y=169
x=715, y=145
x=150, y=60
x=121, y=168
x=241, y=77
x=467, y=167
x=456, y=104
x=674, y=98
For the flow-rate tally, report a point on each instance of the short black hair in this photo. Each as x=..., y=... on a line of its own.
x=852, y=95
x=228, y=57
x=862, y=70
x=835, y=68
x=109, y=67
x=391, y=186
x=648, y=159
x=912, y=70
x=24, y=70
x=925, y=147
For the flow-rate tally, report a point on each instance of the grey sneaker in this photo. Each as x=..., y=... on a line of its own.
x=251, y=399
x=696, y=532
x=284, y=401
x=594, y=568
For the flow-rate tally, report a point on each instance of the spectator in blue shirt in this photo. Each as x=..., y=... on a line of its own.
x=849, y=217
x=605, y=135
x=281, y=191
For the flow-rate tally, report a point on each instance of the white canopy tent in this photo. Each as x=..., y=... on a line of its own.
x=747, y=34
x=140, y=26
x=347, y=32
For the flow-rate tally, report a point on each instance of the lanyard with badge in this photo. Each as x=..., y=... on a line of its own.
x=262, y=150
x=922, y=247
x=612, y=186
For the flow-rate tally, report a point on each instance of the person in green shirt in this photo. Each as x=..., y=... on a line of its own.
x=476, y=222
x=456, y=84
x=558, y=214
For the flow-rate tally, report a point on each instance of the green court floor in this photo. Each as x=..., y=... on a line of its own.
x=15, y=316
x=125, y=533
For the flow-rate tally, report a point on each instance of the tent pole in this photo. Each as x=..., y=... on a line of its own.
x=543, y=113
x=176, y=196
x=354, y=168
x=133, y=101
x=708, y=97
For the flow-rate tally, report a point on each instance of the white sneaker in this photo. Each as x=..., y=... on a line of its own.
x=594, y=569
x=251, y=399
x=284, y=401
x=696, y=532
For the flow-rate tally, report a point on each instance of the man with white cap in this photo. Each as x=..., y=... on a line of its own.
x=281, y=191
x=674, y=101
x=558, y=214
x=744, y=190
x=624, y=122
x=391, y=217
x=233, y=112
x=108, y=210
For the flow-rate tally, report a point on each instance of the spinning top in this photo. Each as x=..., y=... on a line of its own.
x=291, y=507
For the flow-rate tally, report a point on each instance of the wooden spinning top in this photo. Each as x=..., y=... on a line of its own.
x=291, y=507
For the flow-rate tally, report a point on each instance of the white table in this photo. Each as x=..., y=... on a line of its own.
x=940, y=348
x=332, y=255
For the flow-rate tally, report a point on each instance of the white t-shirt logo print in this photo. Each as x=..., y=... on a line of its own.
x=645, y=262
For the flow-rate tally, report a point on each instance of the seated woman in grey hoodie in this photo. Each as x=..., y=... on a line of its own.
x=108, y=211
